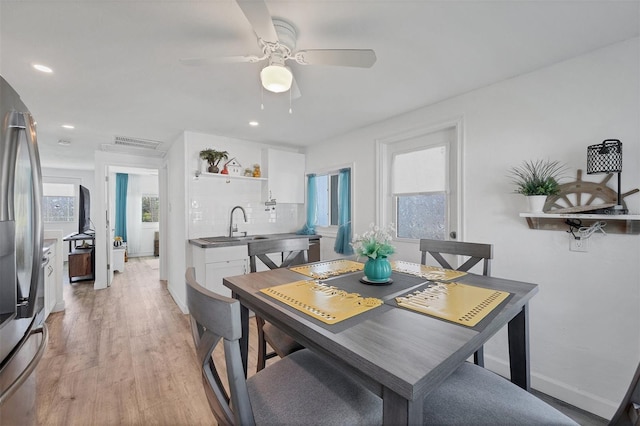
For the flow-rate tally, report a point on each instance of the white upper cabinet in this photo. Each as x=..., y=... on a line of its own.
x=285, y=176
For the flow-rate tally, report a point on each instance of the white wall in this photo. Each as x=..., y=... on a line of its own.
x=212, y=198
x=176, y=240
x=585, y=342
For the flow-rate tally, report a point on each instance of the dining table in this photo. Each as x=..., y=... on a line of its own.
x=398, y=352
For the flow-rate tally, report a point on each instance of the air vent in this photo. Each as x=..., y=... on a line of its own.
x=137, y=143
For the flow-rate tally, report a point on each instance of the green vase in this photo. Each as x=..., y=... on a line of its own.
x=377, y=270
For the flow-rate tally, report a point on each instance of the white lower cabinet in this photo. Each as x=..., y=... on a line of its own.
x=214, y=264
x=50, y=284
x=216, y=271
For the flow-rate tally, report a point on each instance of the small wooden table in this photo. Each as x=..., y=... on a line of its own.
x=81, y=257
x=399, y=354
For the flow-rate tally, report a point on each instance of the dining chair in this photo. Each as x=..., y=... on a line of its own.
x=472, y=395
x=298, y=389
x=628, y=412
x=290, y=251
x=475, y=252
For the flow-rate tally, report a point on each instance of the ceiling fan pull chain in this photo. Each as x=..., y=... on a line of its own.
x=290, y=109
x=261, y=97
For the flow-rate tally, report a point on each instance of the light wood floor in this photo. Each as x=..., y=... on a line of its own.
x=124, y=356
x=121, y=356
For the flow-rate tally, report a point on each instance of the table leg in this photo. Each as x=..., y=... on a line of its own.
x=244, y=340
x=519, y=349
x=397, y=410
x=478, y=357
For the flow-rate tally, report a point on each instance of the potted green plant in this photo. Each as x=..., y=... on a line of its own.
x=536, y=180
x=213, y=157
x=375, y=244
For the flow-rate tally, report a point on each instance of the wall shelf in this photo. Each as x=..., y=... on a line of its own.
x=232, y=177
x=616, y=224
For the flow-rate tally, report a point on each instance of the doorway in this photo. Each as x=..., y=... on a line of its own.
x=134, y=217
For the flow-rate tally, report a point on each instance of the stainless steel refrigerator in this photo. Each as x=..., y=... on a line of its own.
x=23, y=335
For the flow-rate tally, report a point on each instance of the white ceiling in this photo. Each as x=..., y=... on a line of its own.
x=117, y=70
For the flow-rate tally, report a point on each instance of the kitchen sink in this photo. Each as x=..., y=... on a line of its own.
x=252, y=237
x=225, y=239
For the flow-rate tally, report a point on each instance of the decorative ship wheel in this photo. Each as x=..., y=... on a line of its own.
x=595, y=196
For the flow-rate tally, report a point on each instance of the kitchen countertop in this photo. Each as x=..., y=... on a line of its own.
x=223, y=241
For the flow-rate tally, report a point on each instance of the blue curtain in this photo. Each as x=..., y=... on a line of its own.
x=309, y=228
x=343, y=238
x=122, y=179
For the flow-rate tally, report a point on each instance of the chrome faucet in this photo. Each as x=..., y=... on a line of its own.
x=234, y=228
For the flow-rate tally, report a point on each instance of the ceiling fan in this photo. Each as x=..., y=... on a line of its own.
x=277, y=40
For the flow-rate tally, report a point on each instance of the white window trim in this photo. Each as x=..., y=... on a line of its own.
x=76, y=182
x=148, y=225
x=383, y=193
x=332, y=230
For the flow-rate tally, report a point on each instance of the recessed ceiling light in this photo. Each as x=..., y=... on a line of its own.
x=68, y=126
x=254, y=123
x=42, y=68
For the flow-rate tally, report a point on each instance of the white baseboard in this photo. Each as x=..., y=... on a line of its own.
x=179, y=302
x=58, y=307
x=145, y=254
x=562, y=391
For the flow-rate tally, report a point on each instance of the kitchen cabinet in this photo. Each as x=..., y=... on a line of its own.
x=214, y=264
x=50, y=275
x=314, y=250
x=285, y=176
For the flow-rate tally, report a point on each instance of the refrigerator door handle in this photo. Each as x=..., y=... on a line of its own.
x=13, y=387
x=34, y=158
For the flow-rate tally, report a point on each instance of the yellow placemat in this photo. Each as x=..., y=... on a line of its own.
x=460, y=303
x=432, y=273
x=324, y=270
x=325, y=303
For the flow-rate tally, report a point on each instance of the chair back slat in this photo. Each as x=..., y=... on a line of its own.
x=293, y=251
x=476, y=252
x=213, y=318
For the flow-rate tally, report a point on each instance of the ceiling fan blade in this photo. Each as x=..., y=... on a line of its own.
x=361, y=58
x=196, y=62
x=259, y=17
x=295, y=90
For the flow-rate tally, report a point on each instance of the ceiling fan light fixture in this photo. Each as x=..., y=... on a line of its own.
x=276, y=78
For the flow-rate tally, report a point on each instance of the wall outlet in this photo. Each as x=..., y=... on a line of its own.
x=579, y=245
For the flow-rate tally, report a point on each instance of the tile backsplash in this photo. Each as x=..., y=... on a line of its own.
x=211, y=199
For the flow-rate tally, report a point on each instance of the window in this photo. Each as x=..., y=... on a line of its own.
x=329, y=207
x=150, y=208
x=418, y=190
x=327, y=187
x=58, y=202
